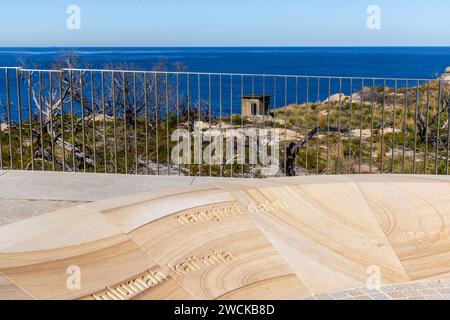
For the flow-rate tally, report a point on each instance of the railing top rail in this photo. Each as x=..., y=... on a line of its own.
x=33, y=70
x=226, y=74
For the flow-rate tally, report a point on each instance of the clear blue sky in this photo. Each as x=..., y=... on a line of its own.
x=224, y=23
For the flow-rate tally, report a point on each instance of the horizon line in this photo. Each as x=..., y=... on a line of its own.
x=228, y=46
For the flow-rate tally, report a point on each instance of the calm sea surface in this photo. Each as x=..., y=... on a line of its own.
x=410, y=62
x=387, y=62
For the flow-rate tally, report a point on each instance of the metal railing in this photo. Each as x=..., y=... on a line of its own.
x=123, y=121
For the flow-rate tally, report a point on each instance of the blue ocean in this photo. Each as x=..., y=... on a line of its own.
x=224, y=94
x=385, y=62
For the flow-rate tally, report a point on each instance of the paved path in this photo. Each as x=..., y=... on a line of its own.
x=26, y=185
x=423, y=290
x=16, y=210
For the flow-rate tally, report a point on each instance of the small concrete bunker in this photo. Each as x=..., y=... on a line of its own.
x=255, y=105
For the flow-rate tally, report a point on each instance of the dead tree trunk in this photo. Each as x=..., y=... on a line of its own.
x=293, y=149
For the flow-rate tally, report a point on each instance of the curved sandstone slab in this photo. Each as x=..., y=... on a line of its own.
x=9, y=290
x=415, y=216
x=329, y=244
x=286, y=238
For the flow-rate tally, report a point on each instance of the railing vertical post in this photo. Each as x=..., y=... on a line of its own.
x=1, y=147
x=426, y=127
x=383, y=107
x=242, y=119
x=19, y=113
x=30, y=119
x=436, y=160
x=41, y=126
x=394, y=134
x=83, y=130
x=416, y=114
x=231, y=118
x=199, y=115
x=221, y=167
x=94, y=144
x=167, y=126
x=72, y=118
x=210, y=115
x=285, y=119
x=361, y=126
x=156, y=124
x=338, y=168
x=188, y=97
x=405, y=112
x=102, y=80
x=146, y=123
x=328, y=125
x=114, y=103
x=135, y=124
x=372, y=106
x=178, y=110
x=8, y=110
x=317, y=125
x=350, y=128
x=448, y=137
x=297, y=110
x=50, y=98
x=61, y=105
x=307, y=124
x=125, y=124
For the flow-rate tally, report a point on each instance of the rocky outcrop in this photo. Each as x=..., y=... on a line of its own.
x=336, y=97
x=446, y=74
